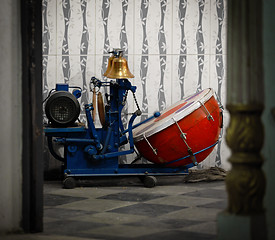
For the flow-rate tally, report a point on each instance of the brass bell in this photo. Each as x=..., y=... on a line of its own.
x=119, y=69
x=109, y=66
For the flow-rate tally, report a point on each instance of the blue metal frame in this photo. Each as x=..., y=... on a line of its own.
x=91, y=151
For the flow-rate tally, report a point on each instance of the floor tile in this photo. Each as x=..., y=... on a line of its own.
x=194, y=213
x=177, y=235
x=152, y=210
x=165, y=223
x=217, y=204
x=124, y=209
x=166, y=189
x=47, y=219
x=112, y=218
x=62, y=213
x=182, y=200
x=122, y=232
x=89, y=192
x=70, y=227
x=220, y=187
x=135, y=197
x=97, y=205
x=208, y=193
x=54, y=200
x=39, y=236
x=205, y=184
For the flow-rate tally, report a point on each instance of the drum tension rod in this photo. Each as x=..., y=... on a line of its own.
x=183, y=137
x=182, y=134
x=154, y=149
x=209, y=116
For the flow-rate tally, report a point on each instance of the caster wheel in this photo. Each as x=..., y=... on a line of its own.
x=69, y=183
x=149, y=181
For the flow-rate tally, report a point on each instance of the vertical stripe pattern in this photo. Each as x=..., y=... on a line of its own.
x=106, y=48
x=83, y=57
x=183, y=47
x=200, y=44
x=144, y=57
x=124, y=46
x=65, y=45
x=219, y=65
x=162, y=57
x=123, y=35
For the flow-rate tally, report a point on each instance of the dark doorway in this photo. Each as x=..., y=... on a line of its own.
x=32, y=161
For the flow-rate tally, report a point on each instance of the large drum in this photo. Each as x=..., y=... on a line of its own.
x=184, y=133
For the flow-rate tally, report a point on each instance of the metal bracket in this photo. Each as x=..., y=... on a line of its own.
x=209, y=116
x=153, y=149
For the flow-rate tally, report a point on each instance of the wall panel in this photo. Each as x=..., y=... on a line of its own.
x=174, y=48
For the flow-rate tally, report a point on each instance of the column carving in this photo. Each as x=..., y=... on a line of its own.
x=246, y=181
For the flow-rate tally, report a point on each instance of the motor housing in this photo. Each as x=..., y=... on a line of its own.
x=62, y=109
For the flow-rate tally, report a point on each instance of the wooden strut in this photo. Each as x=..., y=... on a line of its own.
x=100, y=107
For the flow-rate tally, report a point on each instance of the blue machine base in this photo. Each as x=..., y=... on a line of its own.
x=79, y=164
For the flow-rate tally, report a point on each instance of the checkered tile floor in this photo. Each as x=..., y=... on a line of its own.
x=121, y=208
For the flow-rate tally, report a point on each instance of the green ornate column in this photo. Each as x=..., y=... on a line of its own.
x=245, y=182
x=244, y=217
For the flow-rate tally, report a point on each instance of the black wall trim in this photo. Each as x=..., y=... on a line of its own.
x=32, y=160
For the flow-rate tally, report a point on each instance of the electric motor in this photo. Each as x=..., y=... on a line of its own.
x=62, y=109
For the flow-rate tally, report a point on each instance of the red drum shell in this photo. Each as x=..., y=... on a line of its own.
x=200, y=131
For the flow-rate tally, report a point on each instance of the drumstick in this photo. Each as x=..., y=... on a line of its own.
x=100, y=107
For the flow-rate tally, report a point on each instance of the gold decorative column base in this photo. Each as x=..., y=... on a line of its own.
x=245, y=182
